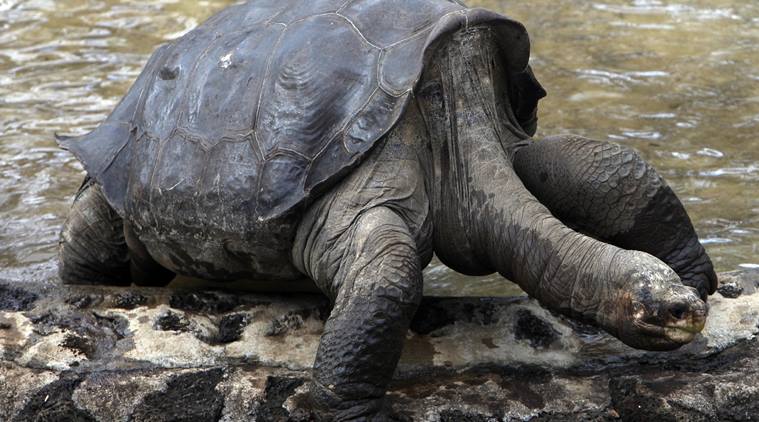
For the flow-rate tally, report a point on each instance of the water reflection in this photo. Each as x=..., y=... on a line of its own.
x=676, y=80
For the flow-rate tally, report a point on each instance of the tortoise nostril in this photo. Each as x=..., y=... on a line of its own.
x=678, y=310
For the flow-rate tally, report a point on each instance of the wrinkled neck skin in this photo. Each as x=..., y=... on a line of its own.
x=485, y=220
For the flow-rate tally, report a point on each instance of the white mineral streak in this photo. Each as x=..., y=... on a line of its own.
x=241, y=392
x=168, y=349
x=20, y=330
x=225, y=61
x=469, y=344
x=730, y=320
x=49, y=353
x=295, y=349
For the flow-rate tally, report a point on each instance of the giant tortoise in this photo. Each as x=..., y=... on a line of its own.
x=344, y=142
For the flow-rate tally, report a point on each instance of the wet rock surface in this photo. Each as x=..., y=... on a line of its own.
x=15, y=299
x=147, y=354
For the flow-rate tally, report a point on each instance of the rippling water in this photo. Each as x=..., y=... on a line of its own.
x=679, y=81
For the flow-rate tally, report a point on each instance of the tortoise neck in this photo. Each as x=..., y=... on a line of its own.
x=464, y=100
x=485, y=219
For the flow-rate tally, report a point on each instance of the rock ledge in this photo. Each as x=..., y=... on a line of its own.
x=109, y=354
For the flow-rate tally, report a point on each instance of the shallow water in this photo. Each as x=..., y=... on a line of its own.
x=679, y=81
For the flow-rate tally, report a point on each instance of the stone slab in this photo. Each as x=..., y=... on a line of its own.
x=118, y=354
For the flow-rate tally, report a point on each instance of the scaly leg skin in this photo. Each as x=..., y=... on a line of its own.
x=93, y=248
x=372, y=273
x=610, y=192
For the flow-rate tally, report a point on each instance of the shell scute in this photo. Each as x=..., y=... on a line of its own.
x=386, y=22
x=379, y=111
x=397, y=60
x=307, y=100
x=213, y=113
x=315, y=7
x=279, y=173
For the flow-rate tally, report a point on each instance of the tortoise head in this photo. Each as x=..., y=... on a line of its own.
x=654, y=310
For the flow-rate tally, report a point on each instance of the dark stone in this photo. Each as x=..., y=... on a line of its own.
x=93, y=335
x=637, y=398
x=743, y=405
x=579, y=416
x=533, y=329
x=116, y=324
x=459, y=416
x=324, y=309
x=631, y=401
x=231, y=327
x=277, y=390
x=188, y=397
x=203, y=302
x=15, y=299
x=80, y=345
x=53, y=403
x=83, y=301
x=129, y=300
x=430, y=316
x=730, y=290
x=437, y=312
x=527, y=396
x=171, y=321
x=284, y=323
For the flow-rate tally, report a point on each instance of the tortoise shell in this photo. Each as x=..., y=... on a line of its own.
x=276, y=100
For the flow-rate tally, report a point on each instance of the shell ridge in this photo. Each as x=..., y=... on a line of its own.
x=358, y=31
x=115, y=154
x=287, y=151
x=347, y=124
x=256, y=146
x=267, y=74
x=344, y=6
x=415, y=34
x=430, y=27
x=257, y=115
x=153, y=171
x=305, y=18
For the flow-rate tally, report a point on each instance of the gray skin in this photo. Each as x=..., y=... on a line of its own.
x=450, y=179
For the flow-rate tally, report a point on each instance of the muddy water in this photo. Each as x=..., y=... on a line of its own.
x=679, y=81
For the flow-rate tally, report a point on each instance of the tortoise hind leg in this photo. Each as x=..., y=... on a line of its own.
x=610, y=192
x=94, y=249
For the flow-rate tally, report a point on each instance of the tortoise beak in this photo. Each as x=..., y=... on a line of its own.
x=676, y=318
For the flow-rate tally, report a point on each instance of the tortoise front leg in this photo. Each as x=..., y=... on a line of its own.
x=372, y=274
x=610, y=192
